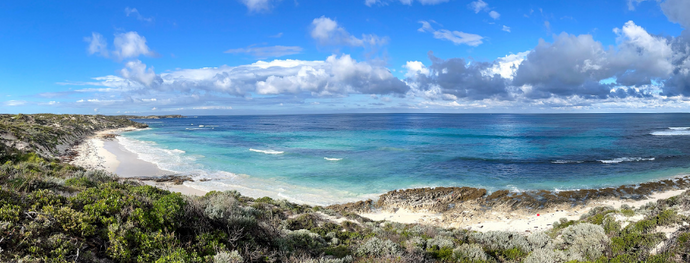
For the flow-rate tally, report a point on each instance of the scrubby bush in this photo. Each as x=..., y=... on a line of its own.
x=546, y=255
x=225, y=257
x=538, y=240
x=378, y=247
x=440, y=242
x=469, y=253
x=499, y=240
x=586, y=239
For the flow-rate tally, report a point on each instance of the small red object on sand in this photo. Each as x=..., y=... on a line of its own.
x=537, y=214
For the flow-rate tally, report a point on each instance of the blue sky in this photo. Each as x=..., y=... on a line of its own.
x=298, y=56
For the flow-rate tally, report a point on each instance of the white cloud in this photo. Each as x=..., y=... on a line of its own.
x=279, y=35
x=137, y=71
x=258, y=5
x=506, y=66
x=638, y=49
x=414, y=68
x=135, y=13
x=494, y=14
x=633, y=3
x=97, y=44
x=478, y=6
x=337, y=75
x=267, y=52
x=212, y=108
x=404, y=2
x=130, y=45
x=506, y=28
x=125, y=46
x=327, y=32
x=457, y=37
x=12, y=103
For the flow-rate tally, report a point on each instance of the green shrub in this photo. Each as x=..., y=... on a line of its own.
x=168, y=209
x=304, y=239
x=72, y=221
x=10, y=213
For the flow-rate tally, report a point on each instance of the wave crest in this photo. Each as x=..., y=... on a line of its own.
x=266, y=151
x=627, y=159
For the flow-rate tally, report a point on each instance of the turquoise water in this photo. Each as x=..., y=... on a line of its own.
x=324, y=159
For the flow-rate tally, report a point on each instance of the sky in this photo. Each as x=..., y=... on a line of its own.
x=344, y=56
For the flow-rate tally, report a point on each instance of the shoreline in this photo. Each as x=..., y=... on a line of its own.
x=456, y=207
x=102, y=151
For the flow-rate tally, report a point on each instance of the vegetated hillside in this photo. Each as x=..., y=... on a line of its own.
x=55, y=212
x=52, y=135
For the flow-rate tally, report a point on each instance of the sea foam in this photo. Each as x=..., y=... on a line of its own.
x=627, y=159
x=332, y=159
x=673, y=131
x=266, y=151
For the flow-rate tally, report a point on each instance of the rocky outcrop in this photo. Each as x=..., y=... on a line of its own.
x=448, y=199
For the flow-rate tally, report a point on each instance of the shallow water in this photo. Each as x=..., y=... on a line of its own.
x=323, y=159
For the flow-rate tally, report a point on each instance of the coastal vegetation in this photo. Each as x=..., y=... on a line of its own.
x=51, y=211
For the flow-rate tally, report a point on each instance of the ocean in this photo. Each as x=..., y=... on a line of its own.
x=327, y=159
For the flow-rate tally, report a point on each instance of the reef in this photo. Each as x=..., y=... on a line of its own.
x=443, y=199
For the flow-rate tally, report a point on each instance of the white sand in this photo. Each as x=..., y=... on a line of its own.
x=91, y=154
x=109, y=155
x=404, y=216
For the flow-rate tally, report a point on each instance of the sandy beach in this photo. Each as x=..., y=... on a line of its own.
x=103, y=152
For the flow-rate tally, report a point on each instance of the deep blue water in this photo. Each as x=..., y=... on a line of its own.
x=368, y=154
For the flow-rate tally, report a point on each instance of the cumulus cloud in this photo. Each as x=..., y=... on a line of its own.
x=506, y=28
x=125, y=46
x=135, y=13
x=456, y=78
x=137, y=71
x=267, y=52
x=327, y=31
x=404, y=2
x=257, y=6
x=335, y=76
x=571, y=68
x=478, y=6
x=571, y=65
x=577, y=65
x=677, y=11
x=97, y=44
x=130, y=45
x=457, y=37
